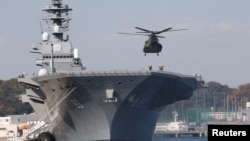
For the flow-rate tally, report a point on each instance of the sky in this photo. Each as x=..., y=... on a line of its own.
x=215, y=46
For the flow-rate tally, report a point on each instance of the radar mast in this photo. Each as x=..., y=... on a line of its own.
x=57, y=16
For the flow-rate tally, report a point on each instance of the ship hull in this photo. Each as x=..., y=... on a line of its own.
x=113, y=106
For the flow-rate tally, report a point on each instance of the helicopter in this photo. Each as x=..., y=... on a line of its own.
x=152, y=45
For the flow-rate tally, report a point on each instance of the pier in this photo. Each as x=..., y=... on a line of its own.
x=175, y=129
x=181, y=133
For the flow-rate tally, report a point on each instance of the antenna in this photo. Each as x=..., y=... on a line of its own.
x=41, y=27
x=57, y=1
x=52, y=59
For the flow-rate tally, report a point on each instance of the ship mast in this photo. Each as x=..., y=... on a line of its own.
x=58, y=15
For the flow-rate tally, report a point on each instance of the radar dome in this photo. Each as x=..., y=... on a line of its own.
x=76, y=55
x=248, y=105
x=45, y=36
x=56, y=29
x=42, y=72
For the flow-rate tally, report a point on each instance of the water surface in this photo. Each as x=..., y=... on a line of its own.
x=180, y=139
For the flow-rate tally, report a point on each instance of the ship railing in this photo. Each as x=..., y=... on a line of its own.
x=15, y=139
x=35, y=128
x=27, y=79
x=90, y=73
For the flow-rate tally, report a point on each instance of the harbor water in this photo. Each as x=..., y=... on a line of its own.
x=180, y=139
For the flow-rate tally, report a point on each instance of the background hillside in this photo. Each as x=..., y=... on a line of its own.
x=10, y=102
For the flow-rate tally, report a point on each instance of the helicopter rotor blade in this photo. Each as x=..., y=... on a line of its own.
x=168, y=30
x=165, y=30
x=160, y=36
x=147, y=31
x=141, y=32
x=177, y=30
x=132, y=34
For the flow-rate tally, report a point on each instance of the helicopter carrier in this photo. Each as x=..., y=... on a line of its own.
x=83, y=105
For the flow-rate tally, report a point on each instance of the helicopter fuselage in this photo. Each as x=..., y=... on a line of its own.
x=152, y=47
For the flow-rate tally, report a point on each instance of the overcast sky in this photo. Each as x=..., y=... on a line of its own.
x=216, y=46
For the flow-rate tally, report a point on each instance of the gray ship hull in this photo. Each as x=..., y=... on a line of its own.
x=113, y=106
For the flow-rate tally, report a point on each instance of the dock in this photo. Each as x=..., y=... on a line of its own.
x=181, y=133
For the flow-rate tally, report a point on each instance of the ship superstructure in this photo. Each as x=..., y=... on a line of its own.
x=83, y=105
x=57, y=53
